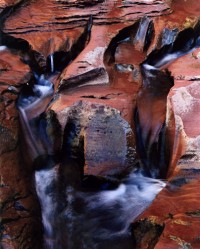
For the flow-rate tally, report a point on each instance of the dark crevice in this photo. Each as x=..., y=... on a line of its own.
x=193, y=213
x=62, y=58
x=130, y=14
x=8, y=30
x=98, y=183
x=72, y=17
x=196, y=79
x=100, y=23
x=124, y=34
x=83, y=3
x=139, y=3
x=22, y=48
x=72, y=155
x=94, y=97
x=27, y=32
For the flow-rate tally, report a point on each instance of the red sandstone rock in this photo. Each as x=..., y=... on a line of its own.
x=176, y=208
x=107, y=90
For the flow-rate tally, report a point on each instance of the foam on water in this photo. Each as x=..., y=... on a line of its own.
x=41, y=90
x=44, y=179
x=3, y=48
x=75, y=219
x=91, y=217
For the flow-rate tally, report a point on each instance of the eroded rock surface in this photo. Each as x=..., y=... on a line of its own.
x=107, y=115
x=176, y=207
x=19, y=209
x=94, y=126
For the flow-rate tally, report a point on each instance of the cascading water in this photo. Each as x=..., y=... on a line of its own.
x=52, y=63
x=88, y=220
x=73, y=218
x=33, y=101
x=79, y=219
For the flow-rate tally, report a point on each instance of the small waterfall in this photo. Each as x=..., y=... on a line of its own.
x=47, y=201
x=87, y=220
x=52, y=63
x=76, y=219
x=186, y=41
x=33, y=101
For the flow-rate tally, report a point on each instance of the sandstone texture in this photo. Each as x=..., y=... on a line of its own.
x=103, y=115
x=176, y=208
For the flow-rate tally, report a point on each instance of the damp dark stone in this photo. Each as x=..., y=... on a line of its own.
x=146, y=233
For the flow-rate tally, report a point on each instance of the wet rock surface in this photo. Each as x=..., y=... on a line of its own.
x=19, y=209
x=173, y=207
x=94, y=126
x=109, y=114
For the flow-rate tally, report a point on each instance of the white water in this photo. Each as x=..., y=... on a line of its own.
x=42, y=89
x=165, y=60
x=3, y=48
x=52, y=63
x=31, y=107
x=169, y=58
x=101, y=216
x=75, y=219
x=43, y=179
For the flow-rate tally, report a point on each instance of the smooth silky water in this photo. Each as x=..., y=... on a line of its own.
x=74, y=218
x=91, y=219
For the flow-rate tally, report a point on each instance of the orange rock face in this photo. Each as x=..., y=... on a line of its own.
x=114, y=109
x=176, y=208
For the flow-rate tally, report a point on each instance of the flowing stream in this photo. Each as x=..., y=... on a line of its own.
x=76, y=218
x=88, y=220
